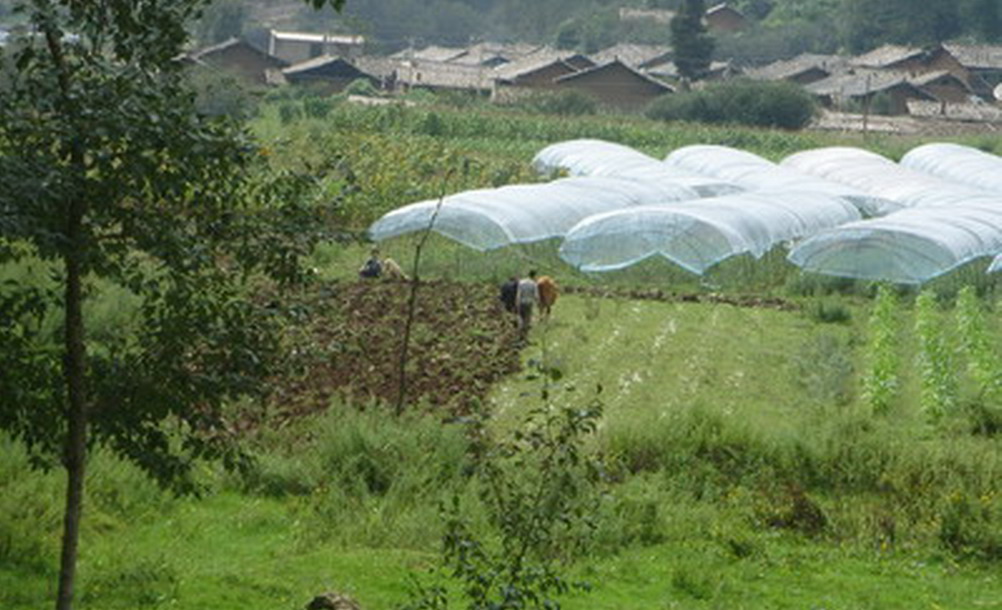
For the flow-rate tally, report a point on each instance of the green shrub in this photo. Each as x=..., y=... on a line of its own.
x=827, y=311
x=289, y=112
x=969, y=525
x=318, y=107
x=217, y=95
x=742, y=102
x=361, y=86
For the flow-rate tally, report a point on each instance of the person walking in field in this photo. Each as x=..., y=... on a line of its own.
x=527, y=297
x=509, y=291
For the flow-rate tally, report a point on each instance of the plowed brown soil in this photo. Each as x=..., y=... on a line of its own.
x=461, y=343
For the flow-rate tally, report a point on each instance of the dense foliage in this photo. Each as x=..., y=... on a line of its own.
x=154, y=199
x=740, y=102
x=690, y=40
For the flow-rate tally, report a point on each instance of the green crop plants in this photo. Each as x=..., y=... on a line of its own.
x=880, y=381
x=976, y=345
x=935, y=363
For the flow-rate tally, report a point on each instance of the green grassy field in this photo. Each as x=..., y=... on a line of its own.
x=711, y=408
x=747, y=469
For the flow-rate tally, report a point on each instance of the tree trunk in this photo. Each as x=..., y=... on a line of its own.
x=75, y=453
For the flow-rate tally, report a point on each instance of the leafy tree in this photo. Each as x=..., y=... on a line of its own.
x=867, y=24
x=692, y=44
x=984, y=17
x=222, y=20
x=108, y=173
x=539, y=488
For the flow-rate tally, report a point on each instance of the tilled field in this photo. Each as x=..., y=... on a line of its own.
x=461, y=343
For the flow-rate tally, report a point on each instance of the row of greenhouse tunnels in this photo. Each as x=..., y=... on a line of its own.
x=836, y=211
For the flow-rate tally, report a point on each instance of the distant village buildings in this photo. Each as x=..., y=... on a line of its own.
x=294, y=47
x=948, y=80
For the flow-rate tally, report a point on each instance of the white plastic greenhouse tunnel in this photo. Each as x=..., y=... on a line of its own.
x=996, y=265
x=756, y=173
x=958, y=163
x=486, y=219
x=937, y=210
x=697, y=235
x=879, y=176
x=908, y=247
x=600, y=158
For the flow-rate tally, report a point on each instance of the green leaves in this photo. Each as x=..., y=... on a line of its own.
x=939, y=380
x=179, y=209
x=881, y=382
x=692, y=45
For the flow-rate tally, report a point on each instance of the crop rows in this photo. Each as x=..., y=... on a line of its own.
x=957, y=358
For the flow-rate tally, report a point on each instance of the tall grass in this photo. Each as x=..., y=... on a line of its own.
x=361, y=477
x=835, y=474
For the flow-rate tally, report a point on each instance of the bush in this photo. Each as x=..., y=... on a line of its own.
x=361, y=86
x=744, y=102
x=222, y=95
x=318, y=107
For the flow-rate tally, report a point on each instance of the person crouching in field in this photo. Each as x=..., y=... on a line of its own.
x=376, y=268
x=547, y=294
x=527, y=296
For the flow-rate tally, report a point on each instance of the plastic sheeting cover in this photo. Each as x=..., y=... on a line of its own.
x=909, y=247
x=698, y=235
x=881, y=177
x=588, y=157
x=493, y=218
x=996, y=265
x=753, y=172
x=958, y=163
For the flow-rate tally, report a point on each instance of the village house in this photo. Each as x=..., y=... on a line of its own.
x=493, y=55
x=983, y=63
x=803, y=69
x=911, y=60
x=615, y=85
x=433, y=53
x=444, y=76
x=295, y=47
x=637, y=56
x=650, y=15
x=878, y=91
x=725, y=18
x=239, y=59
x=718, y=70
x=718, y=18
x=944, y=86
x=327, y=74
x=537, y=71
